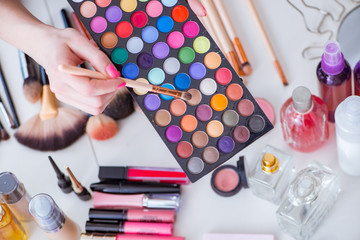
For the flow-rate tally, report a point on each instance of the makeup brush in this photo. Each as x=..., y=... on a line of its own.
x=10, y=102
x=64, y=182
x=9, y=120
x=3, y=134
x=80, y=191
x=101, y=127
x=129, y=83
x=53, y=128
x=32, y=86
x=121, y=106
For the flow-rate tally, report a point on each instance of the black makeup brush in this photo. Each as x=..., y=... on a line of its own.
x=121, y=106
x=10, y=102
x=32, y=86
x=3, y=134
x=64, y=182
x=53, y=128
x=80, y=191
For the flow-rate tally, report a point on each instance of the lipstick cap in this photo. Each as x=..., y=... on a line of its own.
x=164, y=201
x=46, y=213
x=11, y=190
x=112, y=173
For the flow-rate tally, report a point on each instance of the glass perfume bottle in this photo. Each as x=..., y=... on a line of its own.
x=304, y=121
x=311, y=195
x=272, y=174
x=10, y=228
x=334, y=75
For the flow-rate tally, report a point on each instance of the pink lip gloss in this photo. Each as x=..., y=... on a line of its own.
x=116, y=201
x=89, y=236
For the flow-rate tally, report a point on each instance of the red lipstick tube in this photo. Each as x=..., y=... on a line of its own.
x=163, y=229
x=133, y=215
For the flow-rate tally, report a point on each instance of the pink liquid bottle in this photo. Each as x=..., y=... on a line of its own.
x=304, y=121
x=357, y=78
x=334, y=75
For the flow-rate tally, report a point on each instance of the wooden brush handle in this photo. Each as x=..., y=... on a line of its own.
x=49, y=107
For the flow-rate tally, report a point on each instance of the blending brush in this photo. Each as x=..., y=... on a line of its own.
x=121, y=106
x=3, y=134
x=101, y=127
x=129, y=83
x=53, y=128
x=32, y=86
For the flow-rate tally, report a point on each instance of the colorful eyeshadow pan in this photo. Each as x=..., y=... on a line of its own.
x=163, y=43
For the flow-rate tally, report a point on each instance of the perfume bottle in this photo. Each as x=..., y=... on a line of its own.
x=50, y=218
x=311, y=195
x=272, y=174
x=347, y=119
x=13, y=193
x=304, y=121
x=10, y=228
x=334, y=75
x=357, y=79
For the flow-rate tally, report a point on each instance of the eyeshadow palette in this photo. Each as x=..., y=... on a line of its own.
x=163, y=43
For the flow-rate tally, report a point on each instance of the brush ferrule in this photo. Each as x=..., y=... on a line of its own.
x=8, y=119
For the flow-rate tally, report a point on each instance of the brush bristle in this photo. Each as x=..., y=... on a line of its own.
x=32, y=89
x=101, y=127
x=121, y=106
x=53, y=134
x=4, y=135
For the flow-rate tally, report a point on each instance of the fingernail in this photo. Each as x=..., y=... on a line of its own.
x=121, y=85
x=112, y=71
x=119, y=74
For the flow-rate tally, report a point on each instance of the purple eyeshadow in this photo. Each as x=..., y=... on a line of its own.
x=152, y=102
x=113, y=14
x=197, y=70
x=173, y=133
x=145, y=60
x=204, y=112
x=226, y=144
x=160, y=50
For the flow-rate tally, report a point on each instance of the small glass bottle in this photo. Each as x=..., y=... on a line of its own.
x=357, y=79
x=13, y=193
x=334, y=75
x=51, y=219
x=304, y=121
x=272, y=174
x=311, y=195
x=347, y=116
x=10, y=228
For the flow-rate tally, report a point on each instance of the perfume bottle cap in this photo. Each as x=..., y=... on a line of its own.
x=332, y=61
x=269, y=163
x=302, y=99
x=46, y=213
x=11, y=190
x=347, y=115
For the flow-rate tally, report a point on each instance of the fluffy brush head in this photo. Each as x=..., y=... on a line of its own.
x=32, y=89
x=53, y=134
x=121, y=106
x=101, y=127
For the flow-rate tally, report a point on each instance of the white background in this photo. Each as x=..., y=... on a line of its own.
x=137, y=143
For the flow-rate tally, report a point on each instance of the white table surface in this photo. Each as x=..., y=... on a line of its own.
x=202, y=211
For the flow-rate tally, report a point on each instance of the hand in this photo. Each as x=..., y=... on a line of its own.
x=69, y=47
x=197, y=7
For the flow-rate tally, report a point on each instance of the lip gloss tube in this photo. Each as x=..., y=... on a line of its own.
x=89, y=236
x=133, y=215
x=126, y=187
x=163, y=229
x=143, y=174
x=116, y=201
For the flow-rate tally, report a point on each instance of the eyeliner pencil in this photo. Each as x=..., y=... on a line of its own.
x=10, y=102
x=267, y=41
x=129, y=83
x=229, y=27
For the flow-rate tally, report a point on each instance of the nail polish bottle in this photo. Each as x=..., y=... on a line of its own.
x=51, y=219
x=357, y=79
x=304, y=121
x=311, y=195
x=10, y=228
x=334, y=75
x=347, y=119
x=13, y=193
x=272, y=174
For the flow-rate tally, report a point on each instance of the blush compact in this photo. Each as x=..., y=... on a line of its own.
x=227, y=180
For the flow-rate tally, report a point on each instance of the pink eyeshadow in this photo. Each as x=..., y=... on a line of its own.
x=223, y=76
x=103, y=3
x=175, y=39
x=154, y=8
x=226, y=180
x=98, y=24
x=267, y=109
x=245, y=108
x=191, y=29
x=88, y=9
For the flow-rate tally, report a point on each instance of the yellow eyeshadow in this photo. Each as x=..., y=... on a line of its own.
x=214, y=128
x=201, y=44
x=219, y=102
x=128, y=5
x=141, y=91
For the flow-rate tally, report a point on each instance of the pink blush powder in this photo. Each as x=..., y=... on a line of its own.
x=226, y=180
